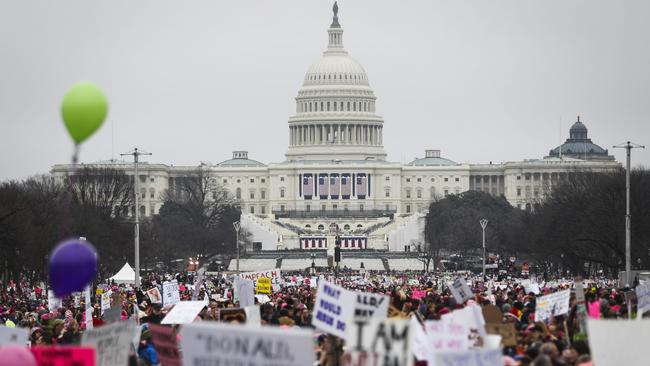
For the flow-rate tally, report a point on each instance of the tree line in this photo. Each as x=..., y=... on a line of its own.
x=98, y=203
x=579, y=227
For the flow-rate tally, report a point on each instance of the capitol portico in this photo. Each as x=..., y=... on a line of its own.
x=336, y=175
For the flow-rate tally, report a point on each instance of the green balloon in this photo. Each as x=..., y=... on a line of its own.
x=84, y=109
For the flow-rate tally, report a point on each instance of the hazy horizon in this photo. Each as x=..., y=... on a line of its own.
x=481, y=81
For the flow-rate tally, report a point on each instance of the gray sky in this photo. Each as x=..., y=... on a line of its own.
x=191, y=81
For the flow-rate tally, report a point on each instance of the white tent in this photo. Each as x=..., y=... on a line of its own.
x=124, y=275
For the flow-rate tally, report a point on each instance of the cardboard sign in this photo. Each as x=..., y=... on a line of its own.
x=334, y=308
x=507, y=332
x=245, y=291
x=388, y=340
x=370, y=305
x=643, y=297
x=154, y=295
x=171, y=294
x=619, y=342
x=164, y=339
x=64, y=356
x=272, y=274
x=460, y=290
x=16, y=336
x=263, y=285
x=474, y=357
x=223, y=344
x=552, y=305
x=184, y=312
x=111, y=342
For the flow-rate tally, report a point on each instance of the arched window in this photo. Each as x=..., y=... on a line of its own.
x=238, y=193
x=359, y=226
x=321, y=227
x=419, y=193
x=346, y=227
x=307, y=226
x=281, y=192
x=433, y=191
x=152, y=193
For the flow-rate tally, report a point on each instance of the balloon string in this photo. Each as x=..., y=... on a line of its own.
x=67, y=202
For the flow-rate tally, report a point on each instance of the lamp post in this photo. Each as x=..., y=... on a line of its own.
x=136, y=154
x=237, y=226
x=628, y=146
x=313, y=263
x=483, y=223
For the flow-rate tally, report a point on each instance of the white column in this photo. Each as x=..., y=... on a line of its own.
x=338, y=139
x=322, y=134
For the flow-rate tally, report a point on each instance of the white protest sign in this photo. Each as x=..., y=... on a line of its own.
x=106, y=300
x=643, y=297
x=619, y=342
x=445, y=335
x=171, y=295
x=551, y=305
x=369, y=305
x=17, y=336
x=420, y=347
x=272, y=274
x=474, y=357
x=245, y=292
x=112, y=343
x=460, y=290
x=53, y=302
x=334, y=308
x=184, y=312
x=226, y=344
x=385, y=339
x=253, y=316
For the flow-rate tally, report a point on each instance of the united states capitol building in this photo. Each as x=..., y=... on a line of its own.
x=337, y=178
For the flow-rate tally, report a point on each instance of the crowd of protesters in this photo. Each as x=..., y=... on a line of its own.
x=557, y=341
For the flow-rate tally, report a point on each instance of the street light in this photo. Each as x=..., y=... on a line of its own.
x=237, y=226
x=313, y=263
x=483, y=223
x=628, y=146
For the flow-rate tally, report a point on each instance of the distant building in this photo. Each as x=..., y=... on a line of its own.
x=336, y=175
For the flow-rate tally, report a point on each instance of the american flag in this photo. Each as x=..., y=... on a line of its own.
x=334, y=186
x=346, y=187
x=307, y=185
x=361, y=185
x=323, y=186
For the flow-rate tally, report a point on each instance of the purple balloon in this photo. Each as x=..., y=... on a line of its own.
x=73, y=265
x=16, y=355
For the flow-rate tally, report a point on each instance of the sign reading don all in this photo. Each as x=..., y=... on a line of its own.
x=224, y=344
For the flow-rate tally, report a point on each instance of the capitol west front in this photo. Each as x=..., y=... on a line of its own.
x=336, y=175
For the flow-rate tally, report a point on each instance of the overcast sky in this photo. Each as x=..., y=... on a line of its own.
x=191, y=81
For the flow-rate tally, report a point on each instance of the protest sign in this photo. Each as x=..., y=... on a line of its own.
x=369, y=305
x=272, y=274
x=171, y=295
x=418, y=294
x=253, y=316
x=154, y=295
x=474, y=357
x=245, y=290
x=16, y=336
x=446, y=335
x=388, y=340
x=112, y=343
x=420, y=347
x=619, y=342
x=643, y=297
x=551, y=305
x=184, y=312
x=53, y=302
x=164, y=339
x=263, y=285
x=223, y=344
x=334, y=308
x=64, y=356
x=460, y=290
x=106, y=300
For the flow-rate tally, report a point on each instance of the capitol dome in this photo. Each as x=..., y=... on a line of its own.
x=335, y=109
